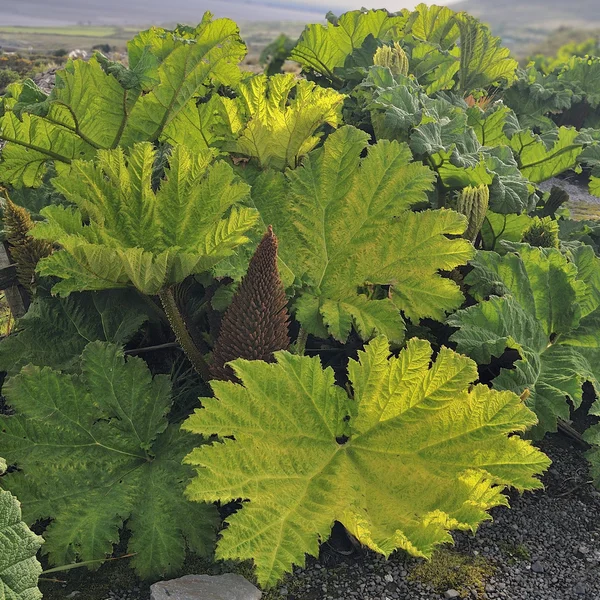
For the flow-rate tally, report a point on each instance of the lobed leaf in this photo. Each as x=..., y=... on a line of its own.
x=540, y=316
x=135, y=235
x=415, y=454
x=103, y=436
x=55, y=331
x=344, y=226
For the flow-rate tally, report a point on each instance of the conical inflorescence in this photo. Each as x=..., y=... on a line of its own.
x=256, y=322
x=24, y=250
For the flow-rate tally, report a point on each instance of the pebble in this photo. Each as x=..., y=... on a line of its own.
x=537, y=567
x=579, y=589
x=451, y=594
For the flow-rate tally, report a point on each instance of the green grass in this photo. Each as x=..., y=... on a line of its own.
x=79, y=31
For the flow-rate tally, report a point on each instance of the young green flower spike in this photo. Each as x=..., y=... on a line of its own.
x=473, y=202
x=392, y=57
x=542, y=233
x=256, y=323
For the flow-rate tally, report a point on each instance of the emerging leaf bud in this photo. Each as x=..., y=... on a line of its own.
x=256, y=322
x=392, y=57
x=473, y=202
x=542, y=233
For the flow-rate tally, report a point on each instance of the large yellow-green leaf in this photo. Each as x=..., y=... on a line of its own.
x=124, y=233
x=538, y=162
x=434, y=24
x=19, y=568
x=207, y=53
x=539, y=316
x=323, y=48
x=95, y=451
x=415, y=453
x=276, y=120
x=98, y=104
x=344, y=226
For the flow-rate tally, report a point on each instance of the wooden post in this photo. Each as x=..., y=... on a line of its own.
x=8, y=279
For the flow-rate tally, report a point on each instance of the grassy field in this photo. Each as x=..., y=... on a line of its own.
x=50, y=39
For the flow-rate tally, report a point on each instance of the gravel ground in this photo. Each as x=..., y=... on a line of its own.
x=581, y=203
x=546, y=547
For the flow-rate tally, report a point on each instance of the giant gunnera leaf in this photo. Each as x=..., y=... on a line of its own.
x=545, y=308
x=19, y=568
x=416, y=452
x=95, y=452
x=345, y=228
x=98, y=104
x=125, y=233
x=325, y=48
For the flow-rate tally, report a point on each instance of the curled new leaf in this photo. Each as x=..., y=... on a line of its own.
x=417, y=452
x=125, y=233
x=276, y=120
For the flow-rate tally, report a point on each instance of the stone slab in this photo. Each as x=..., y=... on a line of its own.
x=229, y=586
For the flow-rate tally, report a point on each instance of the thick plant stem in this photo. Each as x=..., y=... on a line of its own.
x=301, y=341
x=182, y=334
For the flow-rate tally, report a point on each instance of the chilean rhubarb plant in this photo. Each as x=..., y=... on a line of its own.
x=411, y=140
x=416, y=452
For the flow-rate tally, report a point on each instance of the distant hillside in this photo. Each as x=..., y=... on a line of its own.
x=525, y=23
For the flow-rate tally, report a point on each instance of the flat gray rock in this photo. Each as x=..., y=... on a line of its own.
x=205, y=587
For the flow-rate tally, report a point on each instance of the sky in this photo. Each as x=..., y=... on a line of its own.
x=137, y=12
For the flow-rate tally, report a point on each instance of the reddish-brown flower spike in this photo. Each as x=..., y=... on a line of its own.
x=256, y=322
x=24, y=250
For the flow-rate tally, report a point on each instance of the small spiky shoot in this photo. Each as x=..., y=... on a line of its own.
x=392, y=57
x=256, y=322
x=24, y=250
x=542, y=233
x=473, y=202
